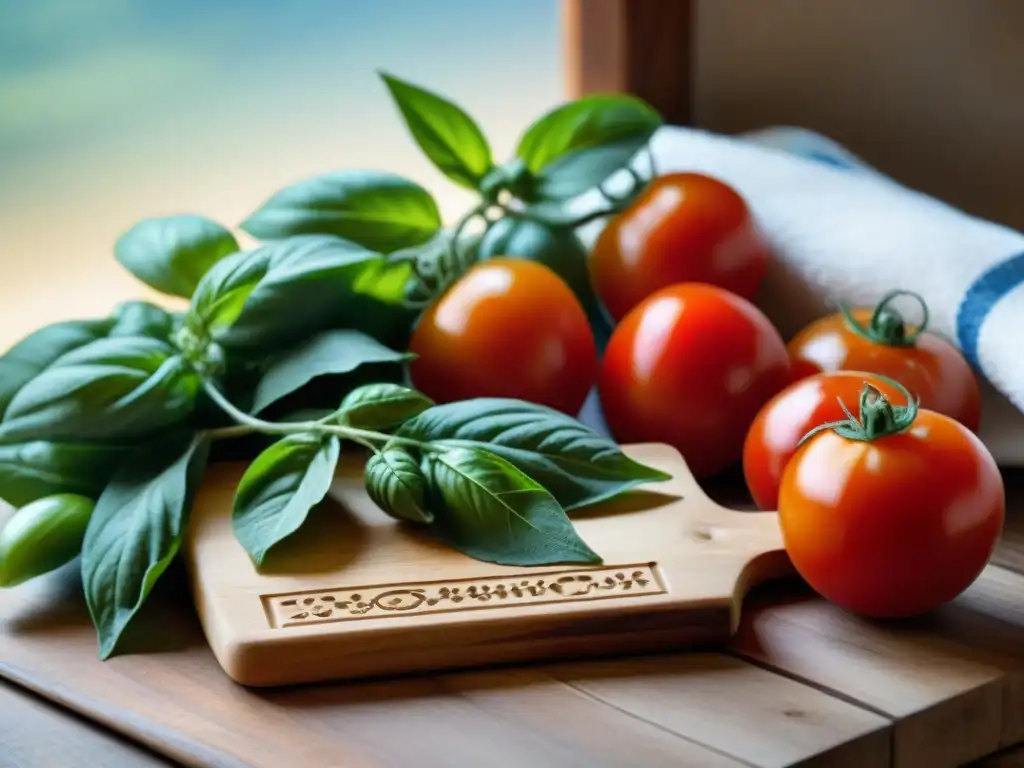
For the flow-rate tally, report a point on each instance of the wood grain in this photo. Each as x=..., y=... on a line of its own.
x=168, y=692
x=35, y=733
x=357, y=594
x=642, y=47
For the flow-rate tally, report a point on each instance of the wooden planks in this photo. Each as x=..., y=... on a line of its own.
x=34, y=732
x=804, y=684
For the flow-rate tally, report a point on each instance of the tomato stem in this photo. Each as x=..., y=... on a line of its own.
x=887, y=325
x=879, y=417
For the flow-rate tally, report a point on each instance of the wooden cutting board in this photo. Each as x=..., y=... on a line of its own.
x=357, y=594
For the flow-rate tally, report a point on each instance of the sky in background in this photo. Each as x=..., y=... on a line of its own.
x=116, y=110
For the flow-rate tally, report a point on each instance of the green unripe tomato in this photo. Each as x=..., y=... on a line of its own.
x=557, y=248
x=42, y=536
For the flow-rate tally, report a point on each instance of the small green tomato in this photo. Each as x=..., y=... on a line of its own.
x=42, y=536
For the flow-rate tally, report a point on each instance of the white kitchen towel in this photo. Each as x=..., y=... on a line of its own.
x=842, y=231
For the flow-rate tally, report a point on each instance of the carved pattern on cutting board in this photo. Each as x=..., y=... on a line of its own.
x=349, y=604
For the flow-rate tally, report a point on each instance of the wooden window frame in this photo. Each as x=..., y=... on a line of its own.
x=643, y=47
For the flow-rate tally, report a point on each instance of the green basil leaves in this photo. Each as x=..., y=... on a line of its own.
x=397, y=485
x=280, y=293
x=492, y=511
x=578, y=466
x=280, y=488
x=382, y=406
x=328, y=353
x=444, y=131
x=136, y=529
x=585, y=124
x=172, y=253
x=118, y=388
x=377, y=210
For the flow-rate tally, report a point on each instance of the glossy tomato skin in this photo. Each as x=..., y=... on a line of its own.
x=691, y=366
x=684, y=227
x=506, y=328
x=932, y=369
x=895, y=527
x=791, y=414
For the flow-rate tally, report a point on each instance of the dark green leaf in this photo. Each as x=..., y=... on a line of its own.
x=110, y=389
x=396, y=484
x=140, y=318
x=279, y=489
x=136, y=530
x=382, y=405
x=491, y=511
x=29, y=471
x=576, y=172
x=377, y=210
x=285, y=291
x=584, y=123
x=330, y=352
x=30, y=356
x=446, y=134
x=577, y=465
x=171, y=253
x=43, y=536
x=220, y=295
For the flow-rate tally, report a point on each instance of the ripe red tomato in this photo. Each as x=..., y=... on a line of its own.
x=879, y=341
x=684, y=227
x=506, y=328
x=894, y=516
x=691, y=366
x=791, y=414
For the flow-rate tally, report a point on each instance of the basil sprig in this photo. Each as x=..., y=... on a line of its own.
x=107, y=424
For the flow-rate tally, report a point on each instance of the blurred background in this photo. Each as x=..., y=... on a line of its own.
x=116, y=110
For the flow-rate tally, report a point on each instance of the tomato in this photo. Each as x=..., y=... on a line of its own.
x=556, y=247
x=690, y=366
x=684, y=227
x=505, y=328
x=791, y=414
x=878, y=340
x=894, y=516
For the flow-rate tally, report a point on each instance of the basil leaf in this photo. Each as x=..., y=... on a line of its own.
x=171, y=253
x=279, y=489
x=285, y=291
x=30, y=471
x=331, y=352
x=382, y=405
x=575, y=172
x=37, y=351
x=493, y=512
x=42, y=537
x=587, y=122
x=446, y=134
x=396, y=484
x=118, y=388
x=577, y=465
x=141, y=318
x=136, y=530
x=377, y=210
x=220, y=295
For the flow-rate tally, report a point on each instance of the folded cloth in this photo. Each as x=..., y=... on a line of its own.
x=842, y=231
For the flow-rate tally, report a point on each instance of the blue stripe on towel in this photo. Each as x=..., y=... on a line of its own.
x=981, y=297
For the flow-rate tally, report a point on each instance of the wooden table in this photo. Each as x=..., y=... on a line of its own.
x=803, y=684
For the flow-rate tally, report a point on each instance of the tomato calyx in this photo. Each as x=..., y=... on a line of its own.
x=887, y=325
x=879, y=417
